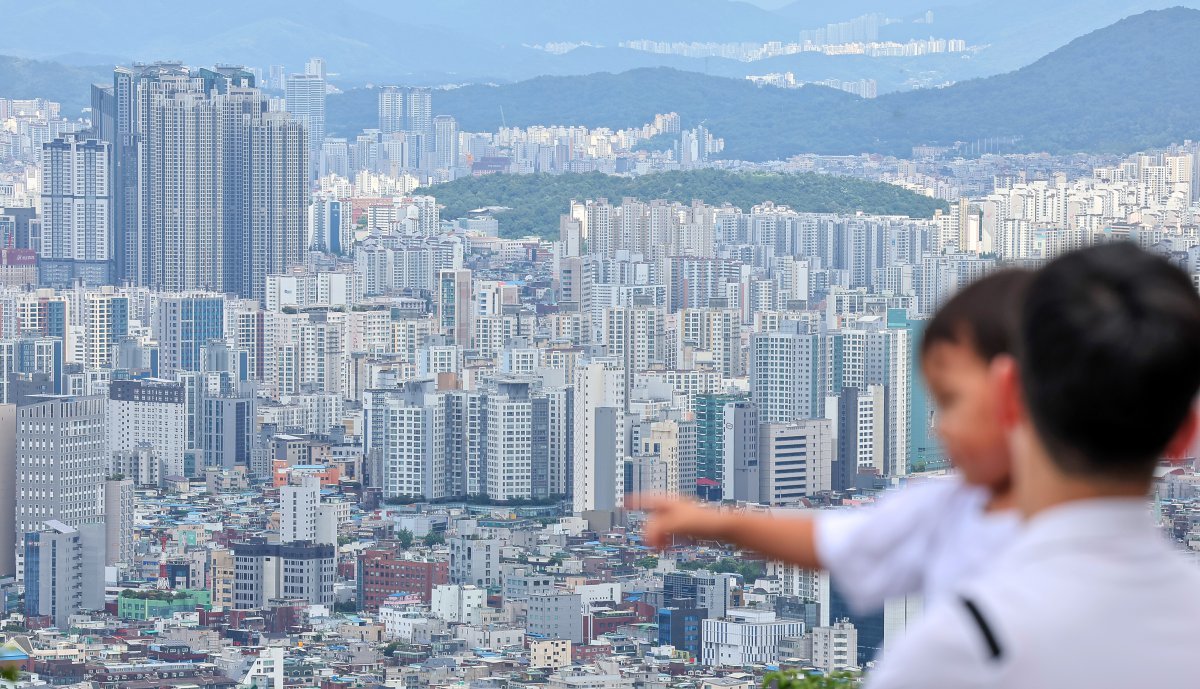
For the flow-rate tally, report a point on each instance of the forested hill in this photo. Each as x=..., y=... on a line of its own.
x=537, y=201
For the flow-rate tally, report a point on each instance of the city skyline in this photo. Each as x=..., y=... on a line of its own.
x=310, y=377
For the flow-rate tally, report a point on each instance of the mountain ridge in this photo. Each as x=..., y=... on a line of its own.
x=473, y=41
x=1069, y=100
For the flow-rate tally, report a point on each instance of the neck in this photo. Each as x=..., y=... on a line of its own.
x=1002, y=498
x=1041, y=485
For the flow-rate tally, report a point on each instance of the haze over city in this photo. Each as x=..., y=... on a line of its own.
x=335, y=339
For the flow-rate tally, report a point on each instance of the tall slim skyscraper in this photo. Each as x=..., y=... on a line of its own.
x=278, y=204
x=888, y=363
x=742, y=460
x=115, y=119
x=453, y=300
x=180, y=231
x=466, y=440
x=599, y=437
x=711, y=433
x=76, y=213
x=419, y=110
x=119, y=534
x=445, y=141
x=306, y=101
x=391, y=110
x=8, y=489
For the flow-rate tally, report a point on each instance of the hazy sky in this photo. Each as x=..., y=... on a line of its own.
x=768, y=4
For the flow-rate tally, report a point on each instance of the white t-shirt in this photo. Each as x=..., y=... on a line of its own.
x=1089, y=595
x=926, y=538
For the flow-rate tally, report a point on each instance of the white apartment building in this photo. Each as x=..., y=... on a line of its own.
x=745, y=636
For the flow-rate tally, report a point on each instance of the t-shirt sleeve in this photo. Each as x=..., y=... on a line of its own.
x=881, y=551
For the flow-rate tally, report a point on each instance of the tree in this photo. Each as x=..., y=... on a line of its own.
x=648, y=562
x=792, y=679
x=390, y=649
x=750, y=570
x=535, y=202
x=405, y=537
x=434, y=538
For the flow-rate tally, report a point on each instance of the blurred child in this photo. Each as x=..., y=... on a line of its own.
x=1103, y=385
x=930, y=536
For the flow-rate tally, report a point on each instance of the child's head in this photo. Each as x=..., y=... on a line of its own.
x=974, y=327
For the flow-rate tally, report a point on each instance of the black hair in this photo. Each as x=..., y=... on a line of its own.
x=1109, y=352
x=982, y=315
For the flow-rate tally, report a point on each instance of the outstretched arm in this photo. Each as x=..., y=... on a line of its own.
x=788, y=539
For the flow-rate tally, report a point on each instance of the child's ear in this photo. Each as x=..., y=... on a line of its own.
x=1006, y=382
x=1180, y=446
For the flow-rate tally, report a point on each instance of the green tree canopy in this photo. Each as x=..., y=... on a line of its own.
x=405, y=537
x=535, y=202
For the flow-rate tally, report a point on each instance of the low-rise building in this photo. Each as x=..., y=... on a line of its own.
x=549, y=654
x=745, y=637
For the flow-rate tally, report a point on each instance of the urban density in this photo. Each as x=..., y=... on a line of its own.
x=272, y=416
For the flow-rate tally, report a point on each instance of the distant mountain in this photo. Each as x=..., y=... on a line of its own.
x=614, y=100
x=89, y=60
x=1127, y=86
x=373, y=40
x=480, y=41
x=1019, y=31
x=70, y=86
x=1124, y=87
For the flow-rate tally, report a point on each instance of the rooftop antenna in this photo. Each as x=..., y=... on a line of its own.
x=163, y=580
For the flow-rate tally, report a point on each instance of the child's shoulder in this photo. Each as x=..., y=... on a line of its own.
x=942, y=492
x=940, y=484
